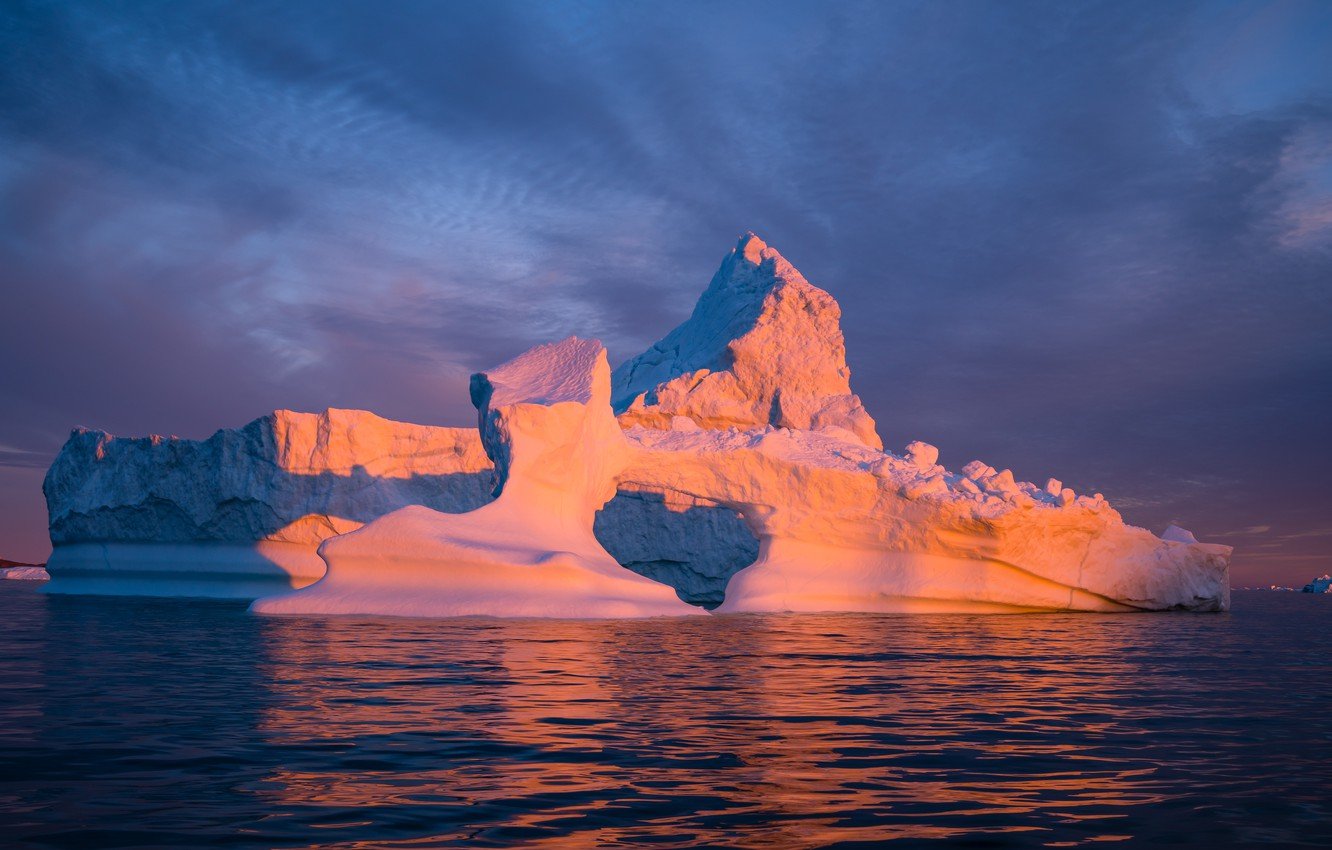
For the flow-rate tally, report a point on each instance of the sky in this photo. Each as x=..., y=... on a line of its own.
x=1090, y=241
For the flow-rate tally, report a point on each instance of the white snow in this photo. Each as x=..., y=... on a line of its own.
x=845, y=528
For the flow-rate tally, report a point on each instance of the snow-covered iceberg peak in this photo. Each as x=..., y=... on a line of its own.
x=763, y=346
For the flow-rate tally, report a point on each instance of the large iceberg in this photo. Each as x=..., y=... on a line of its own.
x=744, y=472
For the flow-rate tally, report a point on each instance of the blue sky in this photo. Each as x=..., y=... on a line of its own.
x=1089, y=241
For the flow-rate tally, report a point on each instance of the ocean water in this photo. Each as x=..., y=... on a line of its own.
x=175, y=723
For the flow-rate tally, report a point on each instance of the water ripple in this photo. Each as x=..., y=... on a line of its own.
x=161, y=723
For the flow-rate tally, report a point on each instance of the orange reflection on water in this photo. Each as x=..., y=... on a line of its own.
x=744, y=731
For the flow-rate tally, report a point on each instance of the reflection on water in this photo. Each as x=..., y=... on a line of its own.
x=161, y=723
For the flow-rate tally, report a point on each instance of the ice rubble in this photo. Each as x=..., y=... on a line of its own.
x=738, y=443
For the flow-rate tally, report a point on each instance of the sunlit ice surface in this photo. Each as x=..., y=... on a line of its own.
x=172, y=723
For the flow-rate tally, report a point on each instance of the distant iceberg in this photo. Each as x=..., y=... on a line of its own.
x=1322, y=584
x=24, y=572
x=730, y=463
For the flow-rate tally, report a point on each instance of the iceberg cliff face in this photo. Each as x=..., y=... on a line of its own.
x=248, y=504
x=740, y=465
x=762, y=347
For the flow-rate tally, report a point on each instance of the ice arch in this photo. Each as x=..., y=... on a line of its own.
x=693, y=545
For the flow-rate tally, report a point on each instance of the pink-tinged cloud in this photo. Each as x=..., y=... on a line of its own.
x=1090, y=242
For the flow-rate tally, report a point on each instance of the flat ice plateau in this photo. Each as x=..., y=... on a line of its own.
x=730, y=463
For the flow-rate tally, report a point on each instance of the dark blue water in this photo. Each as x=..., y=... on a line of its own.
x=169, y=723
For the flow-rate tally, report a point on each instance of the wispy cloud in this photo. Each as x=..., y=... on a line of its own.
x=1088, y=242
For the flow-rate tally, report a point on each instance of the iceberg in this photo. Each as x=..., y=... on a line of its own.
x=24, y=572
x=1322, y=584
x=730, y=464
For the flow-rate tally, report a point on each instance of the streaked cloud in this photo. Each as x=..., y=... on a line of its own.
x=1082, y=241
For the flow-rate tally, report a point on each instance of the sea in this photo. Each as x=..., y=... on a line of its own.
x=175, y=723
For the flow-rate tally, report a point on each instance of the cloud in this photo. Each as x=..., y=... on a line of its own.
x=1085, y=242
x=1324, y=531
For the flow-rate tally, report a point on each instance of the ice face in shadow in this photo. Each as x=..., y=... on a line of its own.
x=547, y=425
x=693, y=546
